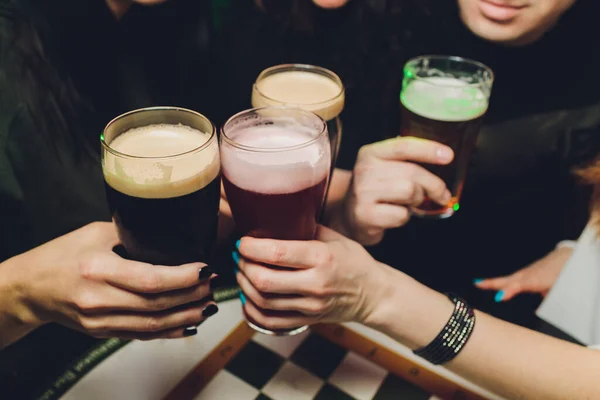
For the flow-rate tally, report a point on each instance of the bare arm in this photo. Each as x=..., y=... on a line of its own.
x=15, y=321
x=510, y=360
x=337, y=280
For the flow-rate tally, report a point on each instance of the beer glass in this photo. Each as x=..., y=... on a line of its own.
x=161, y=169
x=275, y=165
x=445, y=98
x=307, y=87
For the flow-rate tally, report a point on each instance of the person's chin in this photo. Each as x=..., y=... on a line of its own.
x=330, y=3
x=505, y=33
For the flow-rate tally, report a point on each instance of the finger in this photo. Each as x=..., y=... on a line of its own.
x=304, y=305
x=409, y=149
x=145, y=278
x=274, y=320
x=403, y=192
x=493, y=283
x=289, y=253
x=177, y=333
x=110, y=298
x=150, y=322
x=276, y=281
x=509, y=292
x=434, y=187
x=388, y=216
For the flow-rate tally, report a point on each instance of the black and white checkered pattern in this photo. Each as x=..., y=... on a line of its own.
x=305, y=367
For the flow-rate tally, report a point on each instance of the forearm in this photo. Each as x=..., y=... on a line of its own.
x=16, y=320
x=507, y=359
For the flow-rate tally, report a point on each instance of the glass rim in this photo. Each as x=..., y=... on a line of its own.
x=487, y=81
x=211, y=138
x=301, y=67
x=234, y=143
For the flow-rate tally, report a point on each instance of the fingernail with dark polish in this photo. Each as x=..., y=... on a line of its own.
x=499, y=296
x=205, y=273
x=210, y=310
x=237, y=244
x=477, y=281
x=236, y=256
x=190, y=331
x=242, y=298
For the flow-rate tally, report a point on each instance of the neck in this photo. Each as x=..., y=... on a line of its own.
x=118, y=7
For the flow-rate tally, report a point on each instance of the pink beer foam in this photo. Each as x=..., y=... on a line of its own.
x=277, y=171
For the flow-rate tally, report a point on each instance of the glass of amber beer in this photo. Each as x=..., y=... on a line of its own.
x=161, y=169
x=275, y=165
x=307, y=87
x=445, y=98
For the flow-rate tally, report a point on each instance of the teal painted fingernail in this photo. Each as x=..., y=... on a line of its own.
x=236, y=256
x=499, y=296
x=237, y=244
x=243, y=298
x=477, y=281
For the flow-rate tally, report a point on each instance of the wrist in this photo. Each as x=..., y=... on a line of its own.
x=14, y=293
x=407, y=310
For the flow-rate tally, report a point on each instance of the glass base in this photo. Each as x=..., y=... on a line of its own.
x=431, y=210
x=427, y=214
x=291, y=332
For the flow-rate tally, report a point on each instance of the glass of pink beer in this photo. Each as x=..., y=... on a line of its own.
x=275, y=167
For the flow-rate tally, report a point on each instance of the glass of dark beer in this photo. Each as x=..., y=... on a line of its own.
x=307, y=87
x=275, y=165
x=162, y=172
x=445, y=98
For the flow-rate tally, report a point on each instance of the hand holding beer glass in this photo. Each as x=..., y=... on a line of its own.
x=444, y=99
x=275, y=165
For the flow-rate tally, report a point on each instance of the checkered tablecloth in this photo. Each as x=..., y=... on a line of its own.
x=305, y=367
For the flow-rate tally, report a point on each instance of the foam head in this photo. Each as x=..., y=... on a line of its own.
x=161, y=161
x=275, y=159
x=444, y=99
x=304, y=89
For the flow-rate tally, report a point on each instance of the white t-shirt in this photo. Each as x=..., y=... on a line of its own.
x=573, y=303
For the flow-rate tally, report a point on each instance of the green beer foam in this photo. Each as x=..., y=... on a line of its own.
x=444, y=99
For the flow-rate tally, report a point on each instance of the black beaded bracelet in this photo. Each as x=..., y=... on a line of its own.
x=452, y=338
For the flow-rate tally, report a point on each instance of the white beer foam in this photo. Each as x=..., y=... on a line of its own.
x=156, y=166
x=275, y=172
x=307, y=90
x=444, y=99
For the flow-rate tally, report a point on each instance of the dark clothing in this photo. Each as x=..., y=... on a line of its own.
x=48, y=185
